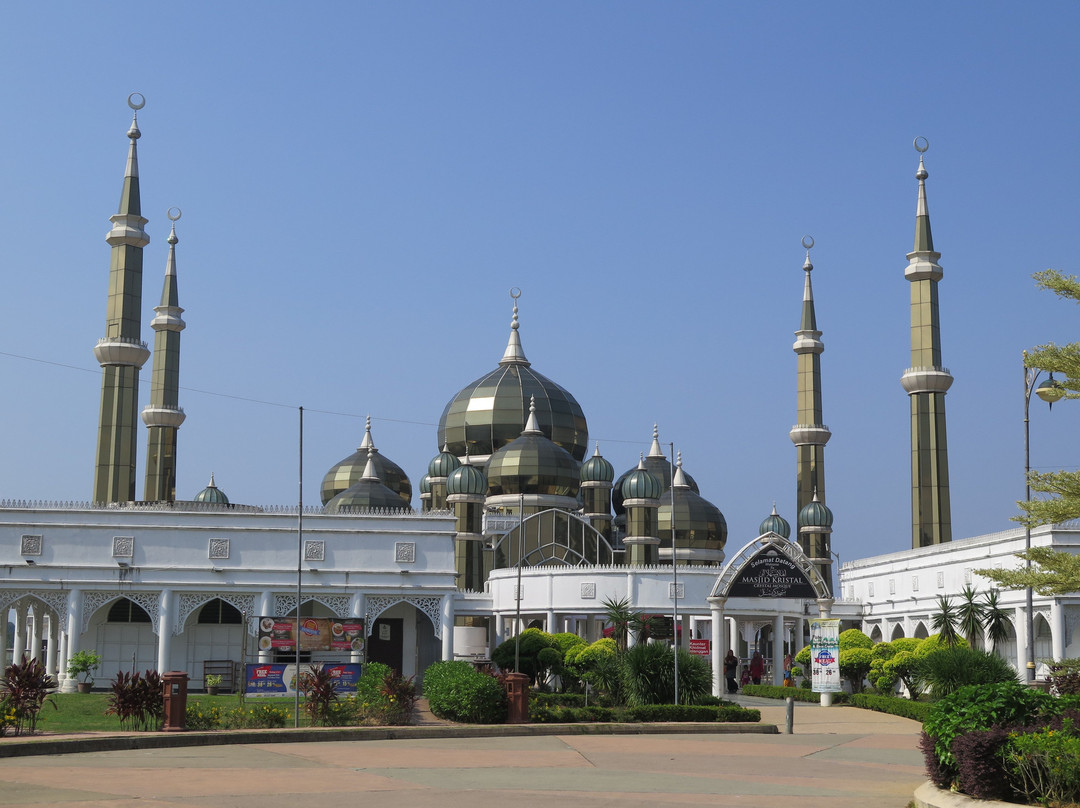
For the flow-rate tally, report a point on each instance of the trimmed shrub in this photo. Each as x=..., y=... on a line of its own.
x=980, y=763
x=855, y=663
x=1065, y=676
x=946, y=670
x=528, y=646
x=689, y=712
x=853, y=638
x=261, y=716
x=893, y=705
x=797, y=693
x=458, y=692
x=200, y=718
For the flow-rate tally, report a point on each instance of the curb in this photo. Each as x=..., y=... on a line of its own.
x=930, y=796
x=63, y=746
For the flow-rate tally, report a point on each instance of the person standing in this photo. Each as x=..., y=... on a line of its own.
x=731, y=670
x=757, y=667
x=789, y=680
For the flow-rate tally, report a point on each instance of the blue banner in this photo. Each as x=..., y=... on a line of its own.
x=268, y=679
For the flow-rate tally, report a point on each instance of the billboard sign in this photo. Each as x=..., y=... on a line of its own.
x=315, y=634
x=825, y=655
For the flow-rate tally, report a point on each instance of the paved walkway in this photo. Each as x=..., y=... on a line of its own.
x=841, y=756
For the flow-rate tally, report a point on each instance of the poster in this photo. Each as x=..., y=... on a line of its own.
x=316, y=634
x=280, y=680
x=701, y=648
x=825, y=655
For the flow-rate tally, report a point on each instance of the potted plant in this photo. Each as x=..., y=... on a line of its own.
x=82, y=664
x=213, y=682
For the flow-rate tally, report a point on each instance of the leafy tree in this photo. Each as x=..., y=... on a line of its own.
x=854, y=665
x=970, y=615
x=1052, y=572
x=853, y=638
x=893, y=662
x=534, y=662
x=944, y=621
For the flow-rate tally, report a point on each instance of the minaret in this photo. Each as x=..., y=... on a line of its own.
x=121, y=352
x=163, y=416
x=810, y=435
x=926, y=383
x=641, y=496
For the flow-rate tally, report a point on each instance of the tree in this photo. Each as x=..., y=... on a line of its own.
x=995, y=619
x=1052, y=572
x=944, y=621
x=970, y=615
x=1062, y=487
x=622, y=619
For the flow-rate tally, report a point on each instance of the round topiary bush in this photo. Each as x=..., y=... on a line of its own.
x=456, y=691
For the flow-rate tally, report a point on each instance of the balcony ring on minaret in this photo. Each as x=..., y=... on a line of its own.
x=926, y=380
x=121, y=351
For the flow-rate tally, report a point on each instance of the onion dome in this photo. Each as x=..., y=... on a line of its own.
x=596, y=469
x=487, y=414
x=533, y=464
x=641, y=484
x=442, y=464
x=700, y=528
x=212, y=494
x=466, y=479
x=658, y=464
x=775, y=523
x=425, y=485
x=366, y=494
x=815, y=517
x=349, y=471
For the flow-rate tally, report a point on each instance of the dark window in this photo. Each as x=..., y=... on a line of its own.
x=126, y=611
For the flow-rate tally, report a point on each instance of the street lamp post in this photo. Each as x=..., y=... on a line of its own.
x=1049, y=391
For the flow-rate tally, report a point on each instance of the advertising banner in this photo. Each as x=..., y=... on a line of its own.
x=280, y=680
x=825, y=655
x=315, y=634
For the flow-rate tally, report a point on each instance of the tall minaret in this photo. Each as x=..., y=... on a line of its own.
x=121, y=352
x=810, y=435
x=163, y=416
x=926, y=382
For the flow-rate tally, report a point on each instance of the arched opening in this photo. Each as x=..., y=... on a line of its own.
x=552, y=538
x=875, y=634
x=216, y=636
x=920, y=631
x=897, y=632
x=125, y=639
x=1006, y=649
x=1044, y=646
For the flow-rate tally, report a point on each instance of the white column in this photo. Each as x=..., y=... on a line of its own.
x=1057, y=629
x=356, y=609
x=447, y=618
x=4, y=638
x=550, y=620
x=719, y=649
x=800, y=632
x=165, y=621
x=499, y=627
x=35, y=632
x=50, y=646
x=778, y=650
x=74, y=634
x=18, y=645
x=61, y=652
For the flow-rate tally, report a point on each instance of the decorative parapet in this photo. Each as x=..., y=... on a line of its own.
x=926, y=380
x=121, y=351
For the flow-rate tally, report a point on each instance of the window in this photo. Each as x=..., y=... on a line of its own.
x=218, y=612
x=126, y=611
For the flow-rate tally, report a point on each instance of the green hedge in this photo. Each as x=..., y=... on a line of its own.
x=555, y=714
x=458, y=692
x=797, y=693
x=905, y=708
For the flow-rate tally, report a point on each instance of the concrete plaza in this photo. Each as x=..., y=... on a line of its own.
x=840, y=756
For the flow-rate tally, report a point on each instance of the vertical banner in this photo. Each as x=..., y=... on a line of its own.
x=825, y=655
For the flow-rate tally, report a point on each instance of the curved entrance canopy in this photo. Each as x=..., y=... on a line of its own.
x=770, y=566
x=552, y=537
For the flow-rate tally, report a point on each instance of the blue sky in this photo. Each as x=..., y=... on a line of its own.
x=362, y=183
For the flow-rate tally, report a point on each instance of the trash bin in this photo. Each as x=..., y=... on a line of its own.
x=517, y=697
x=174, y=694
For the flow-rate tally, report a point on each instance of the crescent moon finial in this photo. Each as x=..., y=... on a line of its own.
x=173, y=217
x=921, y=144
x=807, y=242
x=515, y=292
x=136, y=101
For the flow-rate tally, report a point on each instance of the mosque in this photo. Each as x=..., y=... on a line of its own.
x=518, y=524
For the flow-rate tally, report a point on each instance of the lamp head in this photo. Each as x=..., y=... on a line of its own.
x=1050, y=390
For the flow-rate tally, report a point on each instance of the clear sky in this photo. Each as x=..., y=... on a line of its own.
x=362, y=183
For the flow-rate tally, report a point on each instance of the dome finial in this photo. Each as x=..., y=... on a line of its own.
x=211, y=484
x=532, y=426
x=655, y=450
x=514, y=354
x=136, y=101
x=679, y=481
x=808, y=243
x=369, y=469
x=367, y=442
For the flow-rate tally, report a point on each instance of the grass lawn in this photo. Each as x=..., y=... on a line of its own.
x=85, y=712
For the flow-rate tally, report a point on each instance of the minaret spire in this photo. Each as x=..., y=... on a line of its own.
x=926, y=382
x=514, y=354
x=164, y=416
x=121, y=352
x=810, y=435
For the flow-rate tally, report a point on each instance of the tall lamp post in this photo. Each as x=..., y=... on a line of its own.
x=1049, y=391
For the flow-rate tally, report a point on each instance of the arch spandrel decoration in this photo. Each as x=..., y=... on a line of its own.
x=56, y=600
x=190, y=601
x=430, y=606
x=337, y=604
x=770, y=566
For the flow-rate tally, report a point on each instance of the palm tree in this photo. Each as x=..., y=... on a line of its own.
x=995, y=619
x=622, y=618
x=944, y=621
x=971, y=616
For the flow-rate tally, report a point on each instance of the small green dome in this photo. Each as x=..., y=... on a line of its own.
x=533, y=464
x=659, y=465
x=442, y=464
x=425, y=485
x=466, y=479
x=641, y=484
x=775, y=523
x=816, y=514
x=596, y=469
x=212, y=494
x=367, y=494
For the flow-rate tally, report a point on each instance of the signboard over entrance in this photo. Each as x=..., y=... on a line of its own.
x=771, y=574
